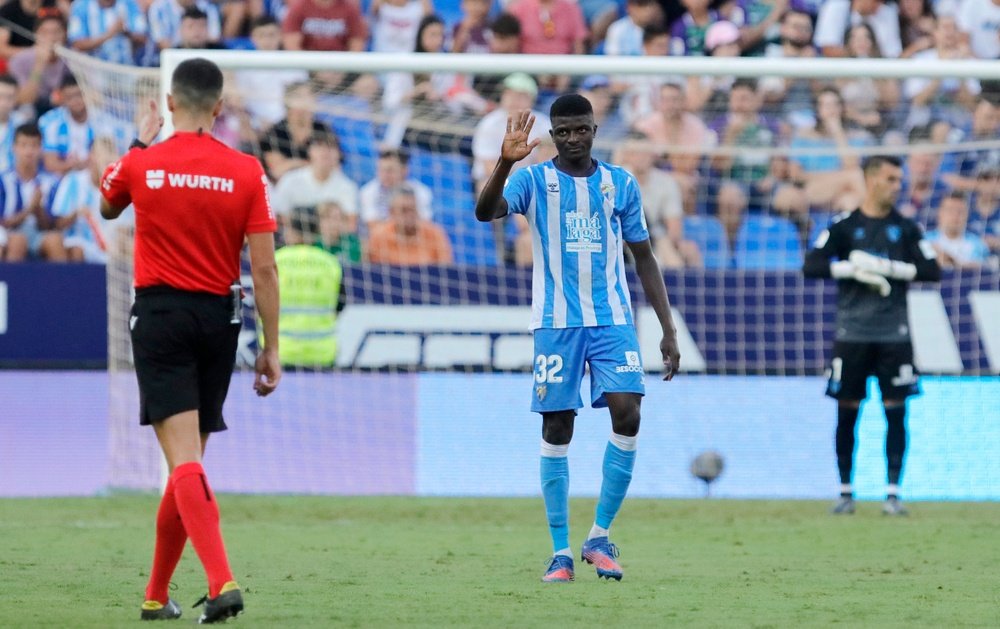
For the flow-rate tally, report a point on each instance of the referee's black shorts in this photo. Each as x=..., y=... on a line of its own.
x=854, y=362
x=184, y=347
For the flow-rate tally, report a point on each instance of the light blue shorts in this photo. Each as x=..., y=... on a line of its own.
x=561, y=354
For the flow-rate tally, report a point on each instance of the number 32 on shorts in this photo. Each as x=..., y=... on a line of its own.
x=548, y=368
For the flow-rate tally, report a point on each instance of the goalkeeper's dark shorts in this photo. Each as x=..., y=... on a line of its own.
x=184, y=347
x=854, y=362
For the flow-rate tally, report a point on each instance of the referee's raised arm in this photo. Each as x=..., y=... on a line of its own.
x=196, y=202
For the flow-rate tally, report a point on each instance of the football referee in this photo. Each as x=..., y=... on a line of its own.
x=196, y=200
x=873, y=252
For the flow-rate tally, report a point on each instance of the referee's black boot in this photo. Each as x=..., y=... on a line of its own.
x=155, y=610
x=227, y=604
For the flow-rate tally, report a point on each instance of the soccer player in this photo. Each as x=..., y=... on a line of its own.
x=579, y=211
x=195, y=201
x=873, y=252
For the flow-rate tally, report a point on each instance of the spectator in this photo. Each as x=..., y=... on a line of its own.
x=835, y=14
x=504, y=39
x=332, y=25
x=670, y=128
x=407, y=239
x=391, y=173
x=111, y=30
x=832, y=176
x=194, y=31
x=598, y=16
x=731, y=207
x=284, y=145
x=319, y=181
x=234, y=17
x=687, y=33
x=394, y=24
x=38, y=70
x=25, y=221
x=923, y=180
x=979, y=22
x=610, y=127
x=791, y=98
x=956, y=247
x=640, y=93
x=948, y=100
x=67, y=131
x=662, y=204
x=76, y=206
x=708, y=93
x=519, y=93
x=471, y=33
x=916, y=26
x=260, y=90
x=336, y=234
x=551, y=27
x=760, y=24
x=744, y=127
x=984, y=218
x=625, y=35
x=984, y=127
x=18, y=13
x=10, y=120
x=865, y=98
x=166, y=19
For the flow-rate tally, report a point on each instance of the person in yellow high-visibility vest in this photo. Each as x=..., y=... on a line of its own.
x=312, y=295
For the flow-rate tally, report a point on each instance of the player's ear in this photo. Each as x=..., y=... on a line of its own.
x=170, y=103
x=217, y=109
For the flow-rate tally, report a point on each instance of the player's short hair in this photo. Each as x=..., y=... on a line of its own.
x=874, y=163
x=196, y=84
x=570, y=105
x=28, y=130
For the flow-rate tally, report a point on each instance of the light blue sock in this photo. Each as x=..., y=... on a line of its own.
x=555, y=491
x=618, y=464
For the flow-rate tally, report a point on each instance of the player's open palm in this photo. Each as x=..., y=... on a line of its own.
x=516, y=143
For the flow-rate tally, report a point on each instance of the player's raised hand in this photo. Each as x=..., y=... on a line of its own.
x=268, y=368
x=516, y=145
x=150, y=123
x=671, y=356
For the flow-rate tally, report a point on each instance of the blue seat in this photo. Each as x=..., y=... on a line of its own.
x=707, y=232
x=820, y=221
x=358, y=138
x=768, y=242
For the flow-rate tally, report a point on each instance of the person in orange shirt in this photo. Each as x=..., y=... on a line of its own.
x=406, y=239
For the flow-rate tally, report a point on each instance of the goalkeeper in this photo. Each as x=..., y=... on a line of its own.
x=873, y=252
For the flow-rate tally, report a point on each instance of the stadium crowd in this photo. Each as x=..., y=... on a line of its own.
x=705, y=206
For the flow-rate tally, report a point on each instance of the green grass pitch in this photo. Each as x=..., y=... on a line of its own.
x=419, y=562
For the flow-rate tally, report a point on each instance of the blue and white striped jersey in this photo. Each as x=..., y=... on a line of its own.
x=89, y=19
x=63, y=135
x=578, y=227
x=77, y=190
x=165, y=20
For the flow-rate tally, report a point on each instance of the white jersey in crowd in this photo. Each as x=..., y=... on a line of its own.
x=578, y=228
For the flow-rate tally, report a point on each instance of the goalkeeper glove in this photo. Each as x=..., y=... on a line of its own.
x=874, y=280
x=885, y=267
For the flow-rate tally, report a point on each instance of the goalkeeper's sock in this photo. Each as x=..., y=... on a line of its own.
x=619, y=459
x=847, y=418
x=554, y=470
x=170, y=540
x=895, y=441
x=200, y=513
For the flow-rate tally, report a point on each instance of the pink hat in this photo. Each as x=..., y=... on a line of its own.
x=721, y=33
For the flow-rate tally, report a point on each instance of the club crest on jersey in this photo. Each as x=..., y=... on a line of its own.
x=893, y=232
x=583, y=232
x=541, y=391
x=859, y=233
x=608, y=191
x=154, y=179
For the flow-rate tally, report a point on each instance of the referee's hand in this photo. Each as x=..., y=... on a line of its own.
x=268, y=369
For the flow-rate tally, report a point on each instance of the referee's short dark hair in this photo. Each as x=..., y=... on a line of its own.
x=873, y=163
x=570, y=105
x=196, y=84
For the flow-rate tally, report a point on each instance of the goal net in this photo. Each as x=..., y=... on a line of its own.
x=743, y=163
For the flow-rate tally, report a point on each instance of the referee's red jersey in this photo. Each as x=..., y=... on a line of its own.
x=195, y=199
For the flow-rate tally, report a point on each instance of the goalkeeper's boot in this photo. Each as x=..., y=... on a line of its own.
x=602, y=554
x=560, y=570
x=155, y=610
x=227, y=604
x=844, y=506
x=894, y=506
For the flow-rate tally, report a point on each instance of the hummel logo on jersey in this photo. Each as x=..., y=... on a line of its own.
x=632, y=364
x=552, y=187
x=156, y=178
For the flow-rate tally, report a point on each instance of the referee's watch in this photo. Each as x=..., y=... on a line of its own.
x=137, y=144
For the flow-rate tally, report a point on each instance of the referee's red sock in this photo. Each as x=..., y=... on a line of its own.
x=200, y=514
x=170, y=539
